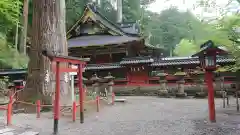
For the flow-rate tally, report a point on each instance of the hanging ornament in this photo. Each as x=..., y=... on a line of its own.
x=47, y=76
x=143, y=67
x=24, y=83
x=66, y=78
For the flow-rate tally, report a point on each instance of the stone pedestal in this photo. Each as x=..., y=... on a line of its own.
x=96, y=88
x=202, y=93
x=163, y=92
x=181, y=93
x=110, y=88
x=110, y=83
x=219, y=88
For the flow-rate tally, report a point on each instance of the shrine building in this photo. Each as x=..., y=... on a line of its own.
x=121, y=50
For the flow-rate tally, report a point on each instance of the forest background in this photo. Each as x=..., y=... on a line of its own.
x=179, y=33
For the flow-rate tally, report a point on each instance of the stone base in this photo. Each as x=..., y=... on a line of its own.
x=219, y=94
x=163, y=93
x=201, y=95
x=181, y=95
x=234, y=95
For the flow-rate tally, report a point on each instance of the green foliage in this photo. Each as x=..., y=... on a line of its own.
x=131, y=10
x=186, y=48
x=108, y=10
x=224, y=33
x=4, y=83
x=169, y=27
x=9, y=14
x=9, y=57
x=74, y=10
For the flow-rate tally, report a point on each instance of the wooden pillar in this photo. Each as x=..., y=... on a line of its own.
x=57, y=99
x=211, y=104
x=81, y=93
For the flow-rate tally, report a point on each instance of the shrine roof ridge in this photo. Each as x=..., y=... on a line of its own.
x=99, y=40
x=132, y=29
x=137, y=60
x=12, y=71
x=188, y=60
x=167, y=61
x=103, y=66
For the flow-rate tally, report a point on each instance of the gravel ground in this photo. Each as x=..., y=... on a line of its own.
x=144, y=116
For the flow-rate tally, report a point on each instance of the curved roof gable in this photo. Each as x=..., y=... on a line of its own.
x=91, y=13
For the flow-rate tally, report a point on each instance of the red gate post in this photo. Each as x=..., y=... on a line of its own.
x=38, y=108
x=57, y=98
x=98, y=103
x=74, y=106
x=211, y=104
x=9, y=109
x=113, y=98
x=80, y=85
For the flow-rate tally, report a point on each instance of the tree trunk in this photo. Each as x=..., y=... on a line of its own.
x=48, y=33
x=23, y=39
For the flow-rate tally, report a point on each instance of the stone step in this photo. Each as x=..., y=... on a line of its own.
x=11, y=131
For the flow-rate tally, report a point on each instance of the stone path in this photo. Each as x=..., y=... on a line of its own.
x=15, y=131
x=143, y=116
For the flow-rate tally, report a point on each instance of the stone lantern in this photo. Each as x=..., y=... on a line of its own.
x=219, y=82
x=109, y=78
x=95, y=83
x=198, y=76
x=180, y=76
x=207, y=57
x=163, y=88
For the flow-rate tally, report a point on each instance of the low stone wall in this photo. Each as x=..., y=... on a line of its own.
x=191, y=90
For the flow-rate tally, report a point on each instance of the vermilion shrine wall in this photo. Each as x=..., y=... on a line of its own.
x=138, y=75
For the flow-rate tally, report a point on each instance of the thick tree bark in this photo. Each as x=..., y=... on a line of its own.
x=48, y=33
x=23, y=39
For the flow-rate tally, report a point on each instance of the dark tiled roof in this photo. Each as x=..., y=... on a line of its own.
x=103, y=66
x=98, y=40
x=12, y=71
x=136, y=60
x=210, y=45
x=170, y=61
x=114, y=26
x=127, y=30
x=131, y=28
x=186, y=61
x=225, y=60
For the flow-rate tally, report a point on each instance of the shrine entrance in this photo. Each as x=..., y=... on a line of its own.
x=138, y=74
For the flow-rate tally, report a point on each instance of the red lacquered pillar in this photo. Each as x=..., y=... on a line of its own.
x=211, y=104
x=57, y=99
x=38, y=109
x=81, y=93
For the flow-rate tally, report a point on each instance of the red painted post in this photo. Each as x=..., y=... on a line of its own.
x=74, y=109
x=113, y=98
x=211, y=104
x=9, y=109
x=81, y=93
x=98, y=103
x=56, y=100
x=38, y=108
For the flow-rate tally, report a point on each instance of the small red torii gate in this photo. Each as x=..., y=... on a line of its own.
x=70, y=60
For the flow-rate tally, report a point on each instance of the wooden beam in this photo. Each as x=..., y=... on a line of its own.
x=91, y=52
